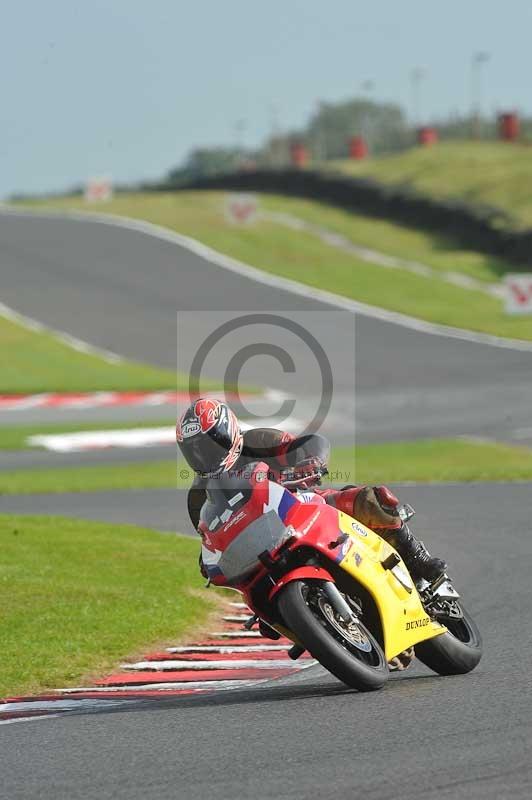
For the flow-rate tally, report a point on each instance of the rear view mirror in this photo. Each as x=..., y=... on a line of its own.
x=406, y=512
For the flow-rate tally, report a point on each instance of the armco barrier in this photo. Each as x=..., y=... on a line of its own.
x=478, y=227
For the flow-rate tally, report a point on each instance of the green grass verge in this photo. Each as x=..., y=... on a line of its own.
x=495, y=173
x=102, y=477
x=78, y=597
x=302, y=257
x=15, y=438
x=38, y=362
x=436, y=460
x=438, y=252
x=420, y=461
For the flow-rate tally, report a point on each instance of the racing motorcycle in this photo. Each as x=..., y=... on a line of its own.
x=331, y=585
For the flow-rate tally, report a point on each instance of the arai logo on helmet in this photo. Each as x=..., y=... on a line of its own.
x=189, y=429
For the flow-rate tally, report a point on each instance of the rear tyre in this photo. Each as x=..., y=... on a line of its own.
x=455, y=652
x=350, y=653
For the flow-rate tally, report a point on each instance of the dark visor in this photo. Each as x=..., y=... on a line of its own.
x=203, y=454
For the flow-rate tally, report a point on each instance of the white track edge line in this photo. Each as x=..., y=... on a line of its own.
x=33, y=718
x=179, y=665
x=227, y=649
x=65, y=338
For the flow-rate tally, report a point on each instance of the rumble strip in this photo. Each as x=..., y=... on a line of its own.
x=227, y=659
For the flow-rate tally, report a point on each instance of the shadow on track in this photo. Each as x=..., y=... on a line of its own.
x=291, y=689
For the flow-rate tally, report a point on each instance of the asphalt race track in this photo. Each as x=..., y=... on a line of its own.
x=306, y=737
x=160, y=509
x=422, y=737
x=122, y=290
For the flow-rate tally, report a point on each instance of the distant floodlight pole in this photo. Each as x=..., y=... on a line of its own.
x=320, y=133
x=240, y=128
x=417, y=76
x=477, y=63
x=366, y=88
x=275, y=134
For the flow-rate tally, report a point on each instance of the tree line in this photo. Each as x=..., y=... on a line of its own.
x=326, y=136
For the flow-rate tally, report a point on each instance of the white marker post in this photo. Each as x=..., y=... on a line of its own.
x=98, y=190
x=241, y=209
x=518, y=294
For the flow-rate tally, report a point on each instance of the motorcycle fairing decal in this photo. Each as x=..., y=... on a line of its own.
x=213, y=572
x=358, y=528
x=343, y=550
x=310, y=497
x=310, y=523
x=286, y=504
x=267, y=496
x=210, y=560
x=400, y=607
x=279, y=500
x=210, y=556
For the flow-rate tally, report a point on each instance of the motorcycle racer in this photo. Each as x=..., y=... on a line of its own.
x=211, y=441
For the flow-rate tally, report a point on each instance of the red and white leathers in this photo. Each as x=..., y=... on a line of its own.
x=376, y=507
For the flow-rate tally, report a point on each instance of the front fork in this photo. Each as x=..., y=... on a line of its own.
x=338, y=602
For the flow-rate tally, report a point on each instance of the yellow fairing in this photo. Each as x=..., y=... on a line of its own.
x=403, y=617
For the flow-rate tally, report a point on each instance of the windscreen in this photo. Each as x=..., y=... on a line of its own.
x=304, y=448
x=242, y=555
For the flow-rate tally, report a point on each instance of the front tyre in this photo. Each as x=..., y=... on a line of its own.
x=455, y=652
x=349, y=652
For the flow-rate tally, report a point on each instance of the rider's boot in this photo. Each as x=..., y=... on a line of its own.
x=417, y=558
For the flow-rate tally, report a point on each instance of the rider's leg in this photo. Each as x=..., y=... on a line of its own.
x=377, y=508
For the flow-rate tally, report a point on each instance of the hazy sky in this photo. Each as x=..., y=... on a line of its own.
x=126, y=88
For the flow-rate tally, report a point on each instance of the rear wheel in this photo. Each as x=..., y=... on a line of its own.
x=348, y=650
x=458, y=650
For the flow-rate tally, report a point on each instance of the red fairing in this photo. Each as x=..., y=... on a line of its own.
x=316, y=526
x=317, y=522
x=252, y=510
x=300, y=574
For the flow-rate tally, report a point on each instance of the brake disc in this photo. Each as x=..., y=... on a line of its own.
x=350, y=631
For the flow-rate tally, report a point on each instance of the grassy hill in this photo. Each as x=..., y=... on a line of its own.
x=494, y=173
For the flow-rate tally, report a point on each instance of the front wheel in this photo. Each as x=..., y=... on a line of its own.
x=349, y=651
x=458, y=650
